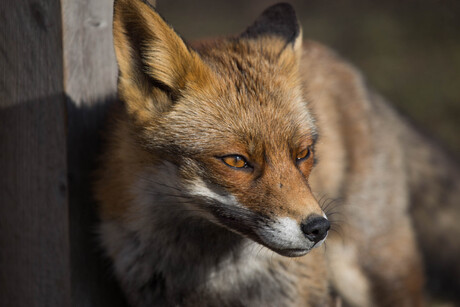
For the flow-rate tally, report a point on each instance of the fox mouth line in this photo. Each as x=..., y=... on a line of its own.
x=252, y=235
x=257, y=227
x=292, y=252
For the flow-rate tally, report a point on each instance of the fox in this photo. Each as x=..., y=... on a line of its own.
x=220, y=160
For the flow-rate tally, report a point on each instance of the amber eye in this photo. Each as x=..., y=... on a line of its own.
x=303, y=155
x=235, y=161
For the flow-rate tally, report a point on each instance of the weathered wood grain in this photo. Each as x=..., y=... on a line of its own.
x=34, y=248
x=90, y=83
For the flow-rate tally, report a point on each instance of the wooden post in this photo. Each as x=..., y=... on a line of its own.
x=57, y=74
x=34, y=246
x=90, y=74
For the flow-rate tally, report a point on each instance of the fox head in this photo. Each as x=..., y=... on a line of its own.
x=230, y=117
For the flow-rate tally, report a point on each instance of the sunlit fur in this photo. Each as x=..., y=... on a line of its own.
x=184, y=228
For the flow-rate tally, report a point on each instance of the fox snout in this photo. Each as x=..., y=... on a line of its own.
x=315, y=228
x=288, y=230
x=288, y=237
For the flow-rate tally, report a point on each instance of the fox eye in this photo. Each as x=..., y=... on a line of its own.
x=303, y=155
x=235, y=161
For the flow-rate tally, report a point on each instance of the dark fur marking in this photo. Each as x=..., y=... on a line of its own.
x=279, y=20
x=155, y=287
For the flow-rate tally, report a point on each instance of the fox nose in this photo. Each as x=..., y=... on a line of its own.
x=315, y=228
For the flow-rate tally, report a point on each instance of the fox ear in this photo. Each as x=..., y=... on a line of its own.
x=278, y=20
x=155, y=65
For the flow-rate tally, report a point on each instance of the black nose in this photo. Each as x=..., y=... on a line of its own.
x=315, y=228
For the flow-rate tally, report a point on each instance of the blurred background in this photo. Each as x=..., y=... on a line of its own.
x=409, y=51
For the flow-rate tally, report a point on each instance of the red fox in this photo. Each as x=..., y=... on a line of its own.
x=219, y=157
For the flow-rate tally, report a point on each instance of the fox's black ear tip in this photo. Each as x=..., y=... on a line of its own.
x=279, y=19
x=282, y=7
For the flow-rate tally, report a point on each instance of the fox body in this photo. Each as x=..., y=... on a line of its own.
x=209, y=187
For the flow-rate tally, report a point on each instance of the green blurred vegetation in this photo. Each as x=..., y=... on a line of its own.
x=408, y=50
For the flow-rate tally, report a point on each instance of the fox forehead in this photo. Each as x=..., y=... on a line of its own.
x=251, y=99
